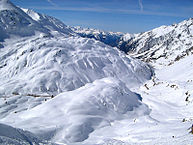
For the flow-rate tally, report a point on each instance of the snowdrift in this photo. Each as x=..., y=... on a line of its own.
x=72, y=116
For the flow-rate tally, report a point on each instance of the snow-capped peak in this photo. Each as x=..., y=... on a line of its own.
x=6, y=5
x=48, y=22
x=23, y=22
x=165, y=44
x=35, y=16
x=14, y=21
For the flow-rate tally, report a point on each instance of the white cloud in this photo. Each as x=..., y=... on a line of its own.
x=107, y=10
x=51, y=2
x=141, y=5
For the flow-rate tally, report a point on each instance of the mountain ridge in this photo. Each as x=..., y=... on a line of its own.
x=6, y=5
x=137, y=45
x=148, y=45
x=20, y=22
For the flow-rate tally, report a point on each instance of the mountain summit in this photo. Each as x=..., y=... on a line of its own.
x=14, y=21
x=21, y=22
x=6, y=5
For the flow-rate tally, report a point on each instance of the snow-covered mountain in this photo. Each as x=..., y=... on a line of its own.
x=57, y=64
x=15, y=21
x=165, y=44
x=51, y=23
x=60, y=86
x=168, y=43
x=114, y=39
x=14, y=136
x=109, y=38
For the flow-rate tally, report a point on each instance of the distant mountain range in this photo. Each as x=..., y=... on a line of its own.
x=166, y=42
x=174, y=41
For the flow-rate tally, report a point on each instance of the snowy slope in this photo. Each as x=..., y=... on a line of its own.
x=63, y=87
x=73, y=116
x=14, y=136
x=51, y=23
x=41, y=67
x=44, y=66
x=51, y=65
x=114, y=39
x=15, y=22
x=168, y=43
x=168, y=95
x=165, y=44
x=73, y=90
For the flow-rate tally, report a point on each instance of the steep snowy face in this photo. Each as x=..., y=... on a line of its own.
x=51, y=23
x=6, y=5
x=35, y=16
x=13, y=21
x=42, y=64
x=165, y=44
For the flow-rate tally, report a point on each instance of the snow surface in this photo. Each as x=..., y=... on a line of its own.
x=72, y=116
x=14, y=136
x=51, y=65
x=15, y=22
x=164, y=45
x=73, y=90
x=43, y=67
x=52, y=24
x=6, y=5
x=63, y=87
x=169, y=96
x=35, y=16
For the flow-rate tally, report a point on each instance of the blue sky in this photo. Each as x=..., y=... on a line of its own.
x=131, y=16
